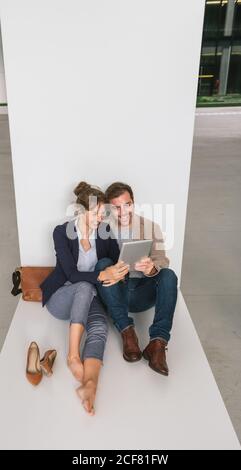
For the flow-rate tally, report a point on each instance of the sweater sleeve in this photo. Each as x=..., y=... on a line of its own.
x=158, y=254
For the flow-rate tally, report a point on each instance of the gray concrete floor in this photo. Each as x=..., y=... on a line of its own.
x=211, y=276
x=9, y=247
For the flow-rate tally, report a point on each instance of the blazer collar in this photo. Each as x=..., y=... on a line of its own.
x=76, y=240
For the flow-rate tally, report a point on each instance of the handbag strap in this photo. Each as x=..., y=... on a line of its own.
x=16, y=278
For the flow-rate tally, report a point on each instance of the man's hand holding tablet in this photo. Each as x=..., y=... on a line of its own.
x=136, y=255
x=146, y=266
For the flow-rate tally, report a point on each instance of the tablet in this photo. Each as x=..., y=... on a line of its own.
x=133, y=251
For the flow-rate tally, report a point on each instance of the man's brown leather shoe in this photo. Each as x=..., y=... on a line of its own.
x=155, y=353
x=131, y=350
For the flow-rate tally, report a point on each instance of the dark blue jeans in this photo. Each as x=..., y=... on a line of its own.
x=139, y=294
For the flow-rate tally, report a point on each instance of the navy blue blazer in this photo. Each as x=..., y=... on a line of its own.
x=67, y=252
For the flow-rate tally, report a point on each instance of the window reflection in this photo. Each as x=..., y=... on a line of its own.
x=220, y=63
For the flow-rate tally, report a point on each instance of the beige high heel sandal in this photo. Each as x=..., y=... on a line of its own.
x=47, y=361
x=33, y=369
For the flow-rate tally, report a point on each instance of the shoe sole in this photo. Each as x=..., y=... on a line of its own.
x=153, y=368
x=131, y=360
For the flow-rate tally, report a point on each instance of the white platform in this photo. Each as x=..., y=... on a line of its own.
x=135, y=408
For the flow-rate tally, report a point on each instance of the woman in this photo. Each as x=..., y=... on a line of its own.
x=69, y=292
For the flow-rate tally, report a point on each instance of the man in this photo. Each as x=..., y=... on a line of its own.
x=152, y=283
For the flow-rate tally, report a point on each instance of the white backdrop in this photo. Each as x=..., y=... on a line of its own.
x=99, y=90
x=103, y=90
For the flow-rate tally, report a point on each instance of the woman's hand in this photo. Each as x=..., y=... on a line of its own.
x=113, y=274
x=146, y=266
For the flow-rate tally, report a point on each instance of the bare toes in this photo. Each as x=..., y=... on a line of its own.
x=87, y=397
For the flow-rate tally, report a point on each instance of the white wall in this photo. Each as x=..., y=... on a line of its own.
x=99, y=90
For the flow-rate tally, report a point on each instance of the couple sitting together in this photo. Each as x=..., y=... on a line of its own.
x=88, y=280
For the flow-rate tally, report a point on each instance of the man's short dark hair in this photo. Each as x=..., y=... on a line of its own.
x=117, y=189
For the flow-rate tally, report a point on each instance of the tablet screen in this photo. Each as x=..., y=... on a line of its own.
x=132, y=252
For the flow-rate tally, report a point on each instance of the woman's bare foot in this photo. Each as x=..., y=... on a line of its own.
x=87, y=394
x=76, y=367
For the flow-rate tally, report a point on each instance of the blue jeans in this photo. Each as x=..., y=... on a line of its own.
x=139, y=294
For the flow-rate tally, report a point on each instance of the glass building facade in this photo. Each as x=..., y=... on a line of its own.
x=220, y=64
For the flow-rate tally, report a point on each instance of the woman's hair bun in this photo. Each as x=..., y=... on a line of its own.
x=84, y=193
x=82, y=187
